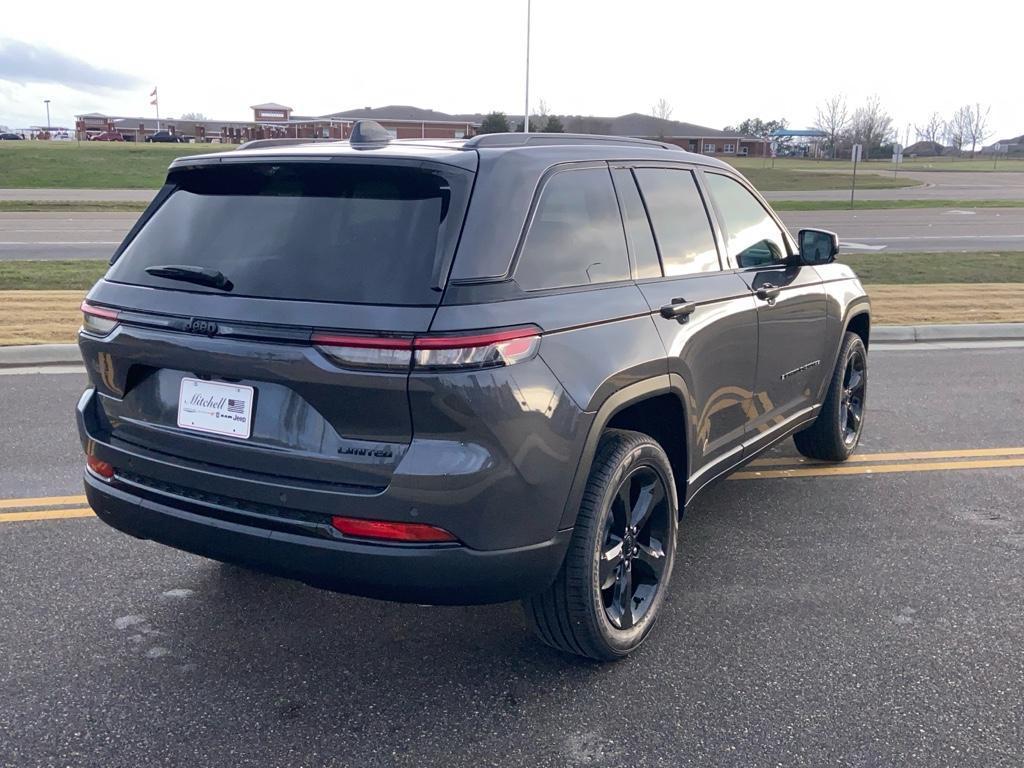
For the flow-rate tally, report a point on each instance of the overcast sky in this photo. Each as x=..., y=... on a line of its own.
x=715, y=64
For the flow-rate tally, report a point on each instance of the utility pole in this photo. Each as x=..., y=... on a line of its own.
x=526, y=109
x=47, y=102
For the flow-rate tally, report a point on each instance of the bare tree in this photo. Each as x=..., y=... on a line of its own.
x=958, y=128
x=193, y=116
x=933, y=130
x=977, y=127
x=662, y=110
x=872, y=125
x=543, y=110
x=833, y=119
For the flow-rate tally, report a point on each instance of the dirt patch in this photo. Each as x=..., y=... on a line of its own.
x=39, y=317
x=53, y=317
x=947, y=303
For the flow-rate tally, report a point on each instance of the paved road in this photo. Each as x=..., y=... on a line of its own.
x=96, y=235
x=50, y=236
x=865, y=620
x=935, y=185
x=923, y=229
x=51, y=195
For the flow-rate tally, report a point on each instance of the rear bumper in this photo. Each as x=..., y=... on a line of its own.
x=434, y=574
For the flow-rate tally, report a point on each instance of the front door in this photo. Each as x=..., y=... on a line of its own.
x=790, y=308
x=706, y=317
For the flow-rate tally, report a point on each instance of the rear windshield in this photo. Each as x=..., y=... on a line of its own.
x=357, y=232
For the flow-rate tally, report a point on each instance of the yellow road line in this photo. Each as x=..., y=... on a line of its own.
x=874, y=469
x=47, y=501
x=45, y=514
x=963, y=453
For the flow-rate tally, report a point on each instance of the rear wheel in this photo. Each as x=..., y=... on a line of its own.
x=608, y=593
x=835, y=433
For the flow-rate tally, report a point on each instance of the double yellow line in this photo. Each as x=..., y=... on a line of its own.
x=62, y=507
x=884, y=463
x=44, y=508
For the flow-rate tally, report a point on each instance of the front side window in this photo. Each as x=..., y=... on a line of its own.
x=576, y=235
x=753, y=236
x=680, y=220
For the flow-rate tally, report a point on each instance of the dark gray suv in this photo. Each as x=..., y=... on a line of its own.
x=460, y=371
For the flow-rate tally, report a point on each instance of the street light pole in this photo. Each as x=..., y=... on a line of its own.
x=526, y=110
x=47, y=102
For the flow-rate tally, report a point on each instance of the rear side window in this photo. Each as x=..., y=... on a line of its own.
x=576, y=235
x=680, y=220
x=360, y=233
x=754, y=238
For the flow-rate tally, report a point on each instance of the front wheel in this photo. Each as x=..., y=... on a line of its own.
x=607, y=595
x=835, y=433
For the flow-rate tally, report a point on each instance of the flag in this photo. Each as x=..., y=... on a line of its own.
x=154, y=97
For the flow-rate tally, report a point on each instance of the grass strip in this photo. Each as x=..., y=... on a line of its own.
x=70, y=206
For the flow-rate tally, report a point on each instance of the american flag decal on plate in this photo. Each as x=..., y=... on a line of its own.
x=236, y=406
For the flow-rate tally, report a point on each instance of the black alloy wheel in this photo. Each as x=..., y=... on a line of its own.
x=633, y=556
x=851, y=404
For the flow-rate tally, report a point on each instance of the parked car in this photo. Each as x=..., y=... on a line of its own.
x=107, y=136
x=11, y=137
x=373, y=386
x=163, y=137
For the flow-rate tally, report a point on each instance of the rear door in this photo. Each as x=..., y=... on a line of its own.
x=706, y=316
x=328, y=269
x=790, y=305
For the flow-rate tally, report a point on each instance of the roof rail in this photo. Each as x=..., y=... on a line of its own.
x=263, y=143
x=525, y=139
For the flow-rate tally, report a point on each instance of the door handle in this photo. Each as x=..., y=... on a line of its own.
x=768, y=292
x=678, y=309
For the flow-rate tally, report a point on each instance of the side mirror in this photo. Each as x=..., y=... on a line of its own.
x=817, y=246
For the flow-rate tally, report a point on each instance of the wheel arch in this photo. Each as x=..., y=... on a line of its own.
x=651, y=406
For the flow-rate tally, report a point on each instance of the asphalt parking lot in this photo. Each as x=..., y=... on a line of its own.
x=867, y=615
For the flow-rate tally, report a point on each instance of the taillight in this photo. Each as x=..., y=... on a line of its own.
x=388, y=531
x=477, y=350
x=98, y=320
x=365, y=351
x=102, y=468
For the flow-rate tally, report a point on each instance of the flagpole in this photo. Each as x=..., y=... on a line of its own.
x=526, y=109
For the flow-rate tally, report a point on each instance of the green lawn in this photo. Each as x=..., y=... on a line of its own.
x=911, y=268
x=68, y=206
x=780, y=179
x=91, y=165
x=880, y=165
x=844, y=205
x=50, y=275
x=887, y=268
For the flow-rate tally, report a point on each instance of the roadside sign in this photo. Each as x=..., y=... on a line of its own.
x=857, y=154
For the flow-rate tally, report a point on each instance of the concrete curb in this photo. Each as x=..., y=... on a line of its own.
x=910, y=334
x=39, y=355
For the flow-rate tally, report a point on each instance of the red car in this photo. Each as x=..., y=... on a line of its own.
x=107, y=136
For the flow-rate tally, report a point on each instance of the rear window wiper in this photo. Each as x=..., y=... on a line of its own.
x=189, y=274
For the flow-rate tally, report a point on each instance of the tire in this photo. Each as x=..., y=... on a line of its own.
x=834, y=435
x=602, y=605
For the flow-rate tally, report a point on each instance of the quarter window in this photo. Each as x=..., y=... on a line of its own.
x=681, y=224
x=753, y=236
x=576, y=236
